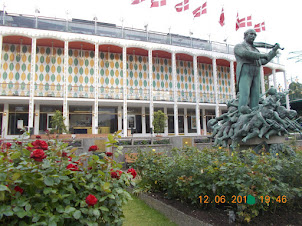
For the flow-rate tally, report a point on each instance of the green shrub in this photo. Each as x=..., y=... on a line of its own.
x=47, y=184
x=190, y=173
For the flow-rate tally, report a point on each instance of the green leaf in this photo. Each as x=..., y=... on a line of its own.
x=35, y=218
x=16, y=176
x=27, y=207
x=48, y=181
x=4, y=188
x=69, y=209
x=106, y=186
x=77, y=214
x=21, y=214
x=111, y=196
x=103, y=208
x=16, y=155
x=46, y=164
x=8, y=213
x=96, y=213
x=60, y=209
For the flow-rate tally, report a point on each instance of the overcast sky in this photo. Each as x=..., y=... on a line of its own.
x=283, y=23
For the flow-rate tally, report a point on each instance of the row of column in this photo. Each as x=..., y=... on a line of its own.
x=151, y=107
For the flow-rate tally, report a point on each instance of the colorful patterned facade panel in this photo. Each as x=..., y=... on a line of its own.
x=80, y=74
x=110, y=75
x=137, y=77
x=49, y=72
x=185, y=81
x=15, y=70
x=162, y=79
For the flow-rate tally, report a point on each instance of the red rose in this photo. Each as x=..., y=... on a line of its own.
x=133, y=172
x=18, y=189
x=38, y=155
x=93, y=148
x=38, y=137
x=29, y=148
x=19, y=143
x=116, y=174
x=64, y=154
x=91, y=200
x=40, y=144
x=109, y=154
x=69, y=158
x=72, y=167
x=7, y=145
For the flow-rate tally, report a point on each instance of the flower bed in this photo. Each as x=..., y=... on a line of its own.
x=244, y=182
x=45, y=183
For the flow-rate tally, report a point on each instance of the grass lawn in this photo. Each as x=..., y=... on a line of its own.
x=138, y=213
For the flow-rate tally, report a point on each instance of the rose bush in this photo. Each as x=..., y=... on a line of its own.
x=189, y=173
x=54, y=186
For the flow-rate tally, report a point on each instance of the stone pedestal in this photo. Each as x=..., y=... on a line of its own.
x=258, y=143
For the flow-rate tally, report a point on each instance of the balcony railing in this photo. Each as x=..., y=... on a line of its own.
x=111, y=93
x=15, y=89
x=138, y=94
x=49, y=90
x=80, y=91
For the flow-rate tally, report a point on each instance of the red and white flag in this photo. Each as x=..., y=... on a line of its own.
x=200, y=10
x=221, y=19
x=183, y=6
x=259, y=27
x=158, y=3
x=243, y=22
x=249, y=21
x=135, y=2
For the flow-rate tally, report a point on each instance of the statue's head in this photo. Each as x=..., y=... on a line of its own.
x=245, y=110
x=292, y=114
x=250, y=35
x=272, y=91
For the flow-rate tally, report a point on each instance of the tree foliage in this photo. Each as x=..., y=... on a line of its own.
x=159, y=121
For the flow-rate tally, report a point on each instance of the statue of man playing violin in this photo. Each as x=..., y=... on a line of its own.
x=249, y=60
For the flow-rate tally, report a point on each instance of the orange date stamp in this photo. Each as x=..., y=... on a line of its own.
x=241, y=199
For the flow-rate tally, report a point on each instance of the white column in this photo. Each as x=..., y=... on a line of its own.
x=37, y=121
x=166, y=128
x=5, y=120
x=286, y=89
x=151, y=106
x=275, y=79
x=119, y=115
x=262, y=80
x=1, y=40
x=143, y=120
x=175, y=94
x=32, y=84
x=186, y=121
x=197, y=94
x=125, y=91
x=215, y=86
x=95, y=118
x=204, y=122
x=65, y=103
x=233, y=89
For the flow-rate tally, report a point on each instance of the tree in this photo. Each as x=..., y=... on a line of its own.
x=159, y=122
x=57, y=123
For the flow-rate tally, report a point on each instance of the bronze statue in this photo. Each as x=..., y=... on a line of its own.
x=249, y=60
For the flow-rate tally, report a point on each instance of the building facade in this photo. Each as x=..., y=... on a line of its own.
x=103, y=83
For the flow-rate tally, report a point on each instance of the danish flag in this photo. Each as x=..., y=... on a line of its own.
x=183, y=6
x=243, y=22
x=200, y=10
x=221, y=19
x=155, y=3
x=259, y=27
x=135, y=2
